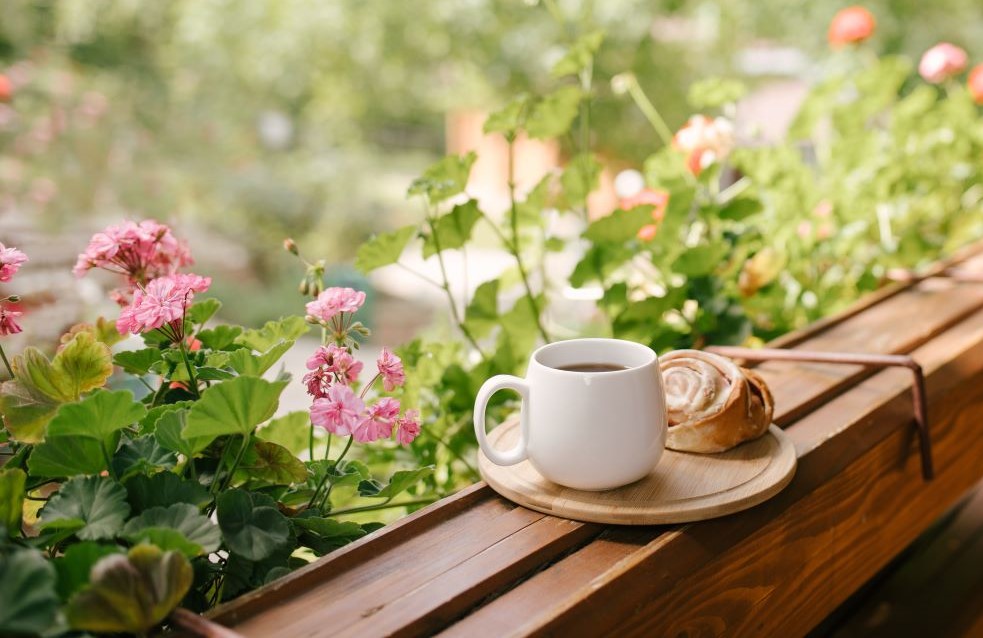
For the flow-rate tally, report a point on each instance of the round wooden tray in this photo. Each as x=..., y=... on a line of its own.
x=683, y=487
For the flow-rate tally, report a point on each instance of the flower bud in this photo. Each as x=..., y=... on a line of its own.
x=13, y=298
x=290, y=246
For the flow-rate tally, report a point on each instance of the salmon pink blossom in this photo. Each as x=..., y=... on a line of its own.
x=333, y=301
x=391, y=368
x=941, y=62
x=339, y=411
x=378, y=422
x=162, y=303
x=140, y=252
x=850, y=26
x=337, y=360
x=408, y=427
x=704, y=140
x=8, y=325
x=11, y=260
x=975, y=83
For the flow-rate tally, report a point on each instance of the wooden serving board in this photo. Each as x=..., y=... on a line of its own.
x=683, y=487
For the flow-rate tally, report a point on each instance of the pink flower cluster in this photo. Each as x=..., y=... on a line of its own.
x=162, y=302
x=340, y=411
x=941, y=62
x=333, y=302
x=704, y=140
x=11, y=260
x=141, y=252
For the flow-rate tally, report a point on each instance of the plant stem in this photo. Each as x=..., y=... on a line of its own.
x=146, y=385
x=385, y=505
x=108, y=458
x=420, y=275
x=649, y=111
x=3, y=356
x=513, y=246
x=310, y=442
x=192, y=379
x=237, y=460
x=473, y=472
x=455, y=314
x=327, y=493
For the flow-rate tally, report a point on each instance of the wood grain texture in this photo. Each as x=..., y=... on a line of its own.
x=682, y=487
x=855, y=502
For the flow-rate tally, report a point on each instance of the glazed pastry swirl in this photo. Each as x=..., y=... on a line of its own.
x=712, y=403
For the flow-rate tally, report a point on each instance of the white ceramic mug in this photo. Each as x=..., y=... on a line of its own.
x=586, y=430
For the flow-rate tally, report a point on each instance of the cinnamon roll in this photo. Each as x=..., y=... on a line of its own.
x=712, y=403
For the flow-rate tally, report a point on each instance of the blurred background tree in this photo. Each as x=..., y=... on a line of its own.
x=250, y=121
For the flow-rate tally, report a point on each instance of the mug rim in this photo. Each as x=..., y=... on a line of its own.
x=653, y=358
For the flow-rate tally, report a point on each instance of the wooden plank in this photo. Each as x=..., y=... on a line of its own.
x=856, y=501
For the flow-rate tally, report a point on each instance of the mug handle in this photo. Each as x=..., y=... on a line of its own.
x=502, y=382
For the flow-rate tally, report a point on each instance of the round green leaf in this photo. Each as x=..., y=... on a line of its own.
x=180, y=517
x=250, y=526
x=28, y=601
x=12, y=500
x=236, y=406
x=142, y=455
x=75, y=565
x=68, y=456
x=164, y=489
x=97, y=501
x=272, y=463
x=97, y=416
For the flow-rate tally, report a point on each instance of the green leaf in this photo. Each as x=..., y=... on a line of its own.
x=712, y=93
x=290, y=430
x=12, y=482
x=740, y=208
x=481, y=315
x=509, y=119
x=97, y=416
x=28, y=600
x=452, y=230
x=138, y=361
x=131, y=593
x=620, y=226
x=444, y=179
x=254, y=365
x=236, y=406
x=182, y=518
x=251, y=524
x=202, y=311
x=68, y=456
x=383, y=249
x=213, y=374
x=220, y=337
x=580, y=178
x=169, y=432
x=26, y=411
x=580, y=55
x=84, y=363
x=399, y=482
x=98, y=501
x=149, y=422
x=142, y=455
x=325, y=534
x=273, y=332
x=272, y=463
x=552, y=115
x=700, y=260
x=75, y=565
x=164, y=489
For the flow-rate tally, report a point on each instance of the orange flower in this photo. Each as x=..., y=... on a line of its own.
x=704, y=140
x=850, y=26
x=6, y=89
x=658, y=199
x=975, y=83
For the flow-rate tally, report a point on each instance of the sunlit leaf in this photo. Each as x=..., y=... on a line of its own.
x=383, y=249
x=290, y=430
x=272, y=463
x=254, y=365
x=273, y=332
x=202, y=311
x=98, y=501
x=220, y=337
x=620, y=226
x=84, y=363
x=399, y=482
x=580, y=55
x=711, y=93
x=26, y=411
x=236, y=406
x=509, y=119
x=552, y=115
x=444, y=179
x=11, y=500
x=481, y=315
x=169, y=432
x=97, y=416
x=137, y=361
x=452, y=230
x=69, y=455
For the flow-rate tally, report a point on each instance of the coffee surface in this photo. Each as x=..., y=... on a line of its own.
x=592, y=367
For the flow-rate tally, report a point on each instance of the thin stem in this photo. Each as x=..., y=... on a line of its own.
x=420, y=275
x=369, y=385
x=327, y=448
x=327, y=493
x=3, y=356
x=649, y=111
x=193, y=379
x=146, y=385
x=108, y=458
x=317, y=490
x=385, y=505
x=513, y=246
x=473, y=472
x=310, y=442
x=221, y=463
x=237, y=460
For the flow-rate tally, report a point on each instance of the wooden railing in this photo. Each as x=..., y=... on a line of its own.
x=477, y=565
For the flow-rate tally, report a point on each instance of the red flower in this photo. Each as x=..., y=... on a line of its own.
x=975, y=83
x=850, y=26
x=6, y=89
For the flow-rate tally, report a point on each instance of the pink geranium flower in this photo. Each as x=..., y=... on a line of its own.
x=11, y=260
x=141, y=252
x=163, y=302
x=8, y=325
x=339, y=411
x=335, y=359
x=378, y=422
x=850, y=26
x=408, y=427
x=391, y=368
x=941, y=62
x=333, y=301
x=318, y=381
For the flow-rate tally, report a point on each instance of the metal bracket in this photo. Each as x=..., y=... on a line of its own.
x=919, y=403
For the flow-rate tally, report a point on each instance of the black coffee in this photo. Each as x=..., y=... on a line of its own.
x=592, y=367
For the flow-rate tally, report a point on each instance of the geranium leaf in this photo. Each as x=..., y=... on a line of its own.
x=76, y=564
x=444, y=179
x=700, y=260
x=481, y=315
x=580, y=55
x=399, y=482
x=180, y=517
x=12, y=482
x=273, y=332
x=97, y=416
x=254, y=365
x=142, y=455
x=98, y=501
x=138, y=361
x=68, y=456
x=220, y=337
x=149, y=422
x=552, y=115
x=383, y=249
x=236, y=406
x=164, y=489
x=579, y=178
x=251, y=524
x=290, y=430
x=619, y=226
x=131, y=593
x=272, y=463
x=36, y=372
x=202, y=311
x=325, y=534
x=26, y=411
x=169, y=433
x=452, y=230
x=28, y=601
x=84, y=363
x=509, y=119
